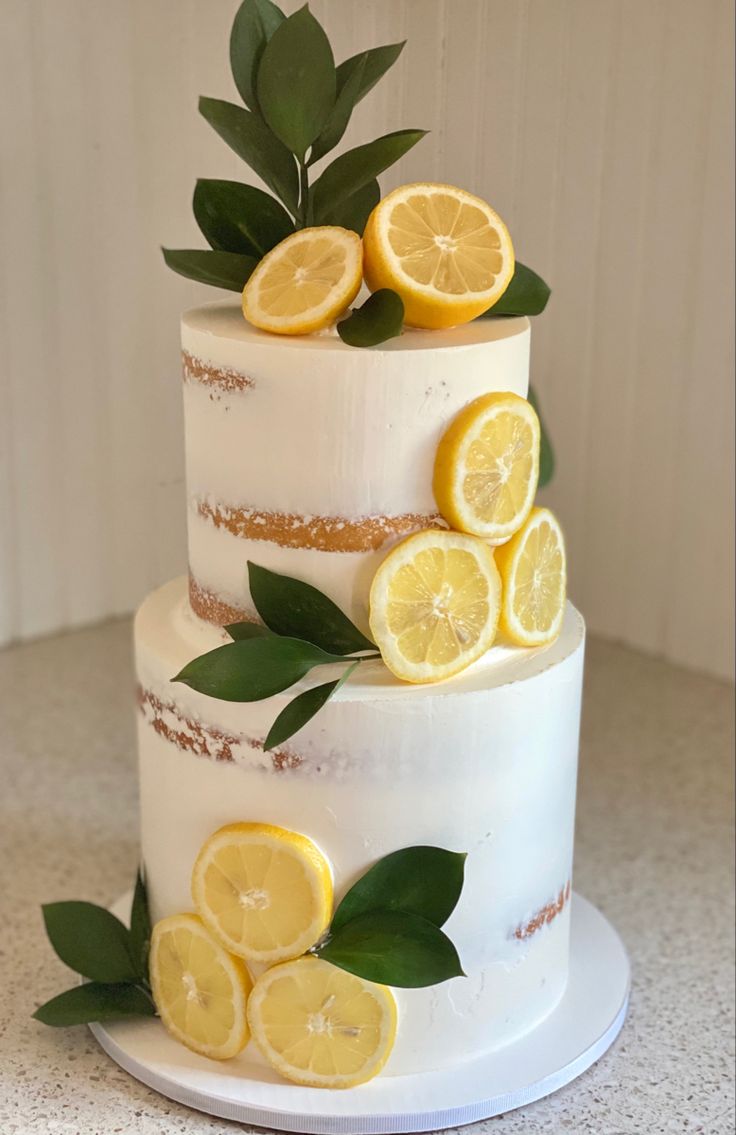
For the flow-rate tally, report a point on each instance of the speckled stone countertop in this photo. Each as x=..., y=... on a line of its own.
x=654, y=851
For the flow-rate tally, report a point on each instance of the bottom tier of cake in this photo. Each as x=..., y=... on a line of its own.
x=485, y=763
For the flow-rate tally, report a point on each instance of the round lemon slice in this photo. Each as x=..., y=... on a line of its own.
x=320, y=1026
x=305, y=282
x=263, y=891
x=446, y=252
x=487, y=467
x=533, y=570
x=434, y=604
x=199, y=990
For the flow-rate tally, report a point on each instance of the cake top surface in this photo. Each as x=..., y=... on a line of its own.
x=224, y=320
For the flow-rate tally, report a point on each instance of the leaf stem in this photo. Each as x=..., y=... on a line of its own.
x=304, y=209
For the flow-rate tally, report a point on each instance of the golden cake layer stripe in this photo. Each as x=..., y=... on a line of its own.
x=223, y=378
x=207, y=606
x=317, y=533
x=545, y=915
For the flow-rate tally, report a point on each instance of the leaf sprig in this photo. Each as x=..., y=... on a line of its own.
x=302, y=629
x=114, y=959
x=297, y=107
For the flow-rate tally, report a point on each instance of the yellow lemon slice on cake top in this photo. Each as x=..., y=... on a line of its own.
x=434, y=604
x=320, y=1026
x=264, y=892
x=487, y=467
x=200, y=991
x=533, y=570
x=445, y=251
x=305, y=282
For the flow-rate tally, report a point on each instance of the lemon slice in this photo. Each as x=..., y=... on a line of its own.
x=318, y=1025
x=264, y=892
x=199, y=990
x=533, y=570
x=446, y=252
x=305, y=282
x=434, y=604
x=487, y=467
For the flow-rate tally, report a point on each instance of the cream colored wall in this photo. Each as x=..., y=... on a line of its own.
x=602, y=132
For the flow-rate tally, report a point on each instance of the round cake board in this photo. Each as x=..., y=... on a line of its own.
x=585, y=1023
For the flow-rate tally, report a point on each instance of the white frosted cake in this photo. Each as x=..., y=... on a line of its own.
x=313, y=459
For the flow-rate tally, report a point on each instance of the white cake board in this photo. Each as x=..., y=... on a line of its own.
x=584, y=1024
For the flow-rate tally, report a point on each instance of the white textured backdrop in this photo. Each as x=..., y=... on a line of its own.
x=600, y=129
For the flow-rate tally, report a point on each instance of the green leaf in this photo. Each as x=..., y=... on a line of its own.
x=242, y=631
x=302, y=709
x=253, y=669
x=220, y=269
x=420, y=880
x=140, y=929
x=95, y=1001
x=354, y=211
x=297, y=82
x=377, y=62
x=254, y=24
x=380, y=318
x=393, y=947
x=239, y=218
x=340, y=116
x=90, y=940
x=355, y=168
x=546, y=453
x=290, y=607
x=251, y=139
x=527, y=294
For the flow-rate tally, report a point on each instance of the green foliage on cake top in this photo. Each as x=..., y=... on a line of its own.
x=302, y=629
x=297, y=107
x=113, y=959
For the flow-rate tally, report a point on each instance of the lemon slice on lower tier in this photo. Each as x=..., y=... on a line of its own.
x=487, y=466
x=305, y=282
x=320, y=1026
x=533, y=570
x=446, y=252
x=434, y=604
x=264, y=892
x=200, y=991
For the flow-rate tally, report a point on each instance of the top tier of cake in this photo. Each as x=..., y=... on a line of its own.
x=310, y=457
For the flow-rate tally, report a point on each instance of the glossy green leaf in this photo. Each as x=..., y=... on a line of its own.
x=239, y=218
x=95, y=1001
x=241, y=631
x=377, y=62
x=251, y=139
x=354, y=211
x=291, y=607
x=421, y=880
x=355, y=168
x=302, y=709
x=381, y=317
x=140, y=928
x=297, y=84
x=253, y=669
x=220, y=269
x=254, y=24
x=527, y=294
x=393, y=947
x=340, y=115
x=546, y=453
x=90, y=940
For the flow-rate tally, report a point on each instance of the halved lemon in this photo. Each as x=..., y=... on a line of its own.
x=446, y=252
x=533, y=570
x=487, y=467
x=434, y=604
x=200, y=991
x=318, y=1025
x=305, y=282
x=264, y=892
